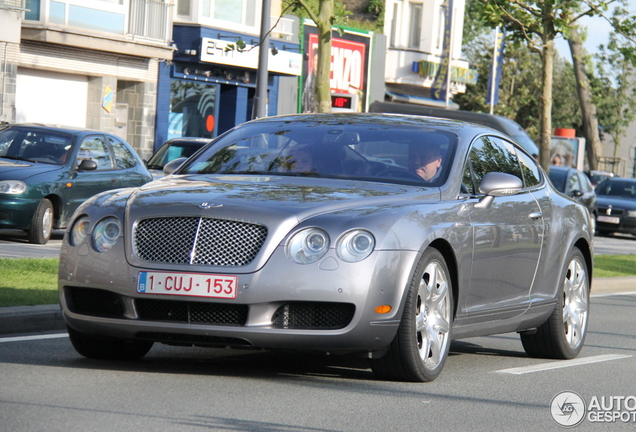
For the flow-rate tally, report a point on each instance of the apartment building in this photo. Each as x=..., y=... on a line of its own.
x=417, y=32
x=87, y=63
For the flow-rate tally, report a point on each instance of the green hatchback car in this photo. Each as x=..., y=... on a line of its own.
x=47, y=172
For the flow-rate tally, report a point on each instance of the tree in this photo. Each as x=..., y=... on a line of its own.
x=538, y=22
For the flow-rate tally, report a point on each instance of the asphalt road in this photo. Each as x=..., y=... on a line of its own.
x=488, y=384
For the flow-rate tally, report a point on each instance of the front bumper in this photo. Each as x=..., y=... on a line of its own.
x=326, y=306
x=16, y=213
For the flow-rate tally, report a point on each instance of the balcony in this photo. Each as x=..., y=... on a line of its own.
x=136, y=27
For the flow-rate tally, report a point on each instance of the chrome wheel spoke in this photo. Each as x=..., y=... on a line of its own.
x=575, y=303
x=433, y=321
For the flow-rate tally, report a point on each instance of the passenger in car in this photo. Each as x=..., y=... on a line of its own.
x=425, y=160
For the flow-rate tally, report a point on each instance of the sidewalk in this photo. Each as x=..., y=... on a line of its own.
x=35, y=319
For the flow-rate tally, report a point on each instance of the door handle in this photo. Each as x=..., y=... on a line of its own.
x=536, y=215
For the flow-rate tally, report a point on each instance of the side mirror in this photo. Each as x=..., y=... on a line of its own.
x=87, y=165
x=172, y=166
x=496, y=184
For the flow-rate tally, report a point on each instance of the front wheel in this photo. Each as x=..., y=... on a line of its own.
x=563, y=334
x=108, y=348
x=420, y=347
x=42, y=223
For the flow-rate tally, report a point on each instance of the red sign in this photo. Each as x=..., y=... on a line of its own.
x=347, y=64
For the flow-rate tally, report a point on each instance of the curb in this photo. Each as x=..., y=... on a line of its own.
x=43, y=318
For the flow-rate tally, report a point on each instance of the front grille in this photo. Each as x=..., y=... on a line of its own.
x=177, y=338
x=320, y=316
x=94, y=302
x=191, y=312
x=194, y=240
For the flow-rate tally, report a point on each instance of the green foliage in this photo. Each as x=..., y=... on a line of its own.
x=340, y=12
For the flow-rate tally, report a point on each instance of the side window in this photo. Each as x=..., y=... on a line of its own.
x=94, y=147
x=530, y=170
x=123, y=157
x=573, y=183
x=488, y=154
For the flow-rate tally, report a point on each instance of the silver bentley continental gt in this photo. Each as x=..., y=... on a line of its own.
x=385, y=236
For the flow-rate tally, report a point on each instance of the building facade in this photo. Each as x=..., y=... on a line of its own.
x=88, y=63
x=422, y=35
x=210, y=86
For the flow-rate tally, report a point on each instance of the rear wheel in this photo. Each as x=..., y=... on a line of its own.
x=563, y=334
x=108, y=348
x=42, y=223
x=420, y=347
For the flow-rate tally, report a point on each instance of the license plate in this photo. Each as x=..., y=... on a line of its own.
x=187, y=284
x=608, y=219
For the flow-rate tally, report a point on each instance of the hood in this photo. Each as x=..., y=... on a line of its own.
x=260, y=197
x=20, y=170
x=616, y=202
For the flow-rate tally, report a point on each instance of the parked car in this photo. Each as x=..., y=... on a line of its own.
x=576, y=185
x=597, y=177
x=47, y=172
x=317, y=232
x=500, y=123
x=616, y=206
x=173, y=149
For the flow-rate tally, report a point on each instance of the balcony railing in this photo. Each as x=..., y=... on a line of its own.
x=12, y=4
x=150, y=20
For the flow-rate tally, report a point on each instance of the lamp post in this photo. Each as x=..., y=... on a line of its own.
x=260, y=100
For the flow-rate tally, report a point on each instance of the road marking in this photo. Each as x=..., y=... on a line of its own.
x=614, y=294
x=30, y=338
x=563, y=364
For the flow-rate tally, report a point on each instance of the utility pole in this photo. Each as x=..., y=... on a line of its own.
x=262, y=76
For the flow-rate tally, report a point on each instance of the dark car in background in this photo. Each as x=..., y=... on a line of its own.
x=616, y=206
x=175, y=148
x=597, y=177
x=46, y=172
x=502, y=124
x=576, y=185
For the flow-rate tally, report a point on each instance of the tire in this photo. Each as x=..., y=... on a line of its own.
x=107, y=348
x=563, y=334
x=42, y=223
x=420, y=347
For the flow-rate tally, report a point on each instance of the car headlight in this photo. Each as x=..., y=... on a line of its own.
x=12, y=187
x=106, y=233
x=355, y=245
x=308, y=246
x=79, y=230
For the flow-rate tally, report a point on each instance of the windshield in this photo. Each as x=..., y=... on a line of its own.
x=395, y=152
x=35, y=145
x=620, y=188
x=174, y=150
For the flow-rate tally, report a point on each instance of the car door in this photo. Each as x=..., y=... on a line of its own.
x=85, y=184
x=507, y=236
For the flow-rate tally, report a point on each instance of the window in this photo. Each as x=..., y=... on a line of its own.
x=193, y=110
x=441, y=21
x=489, y=154
x=183, y=7
x=234, y=11
x=415, y=24
x=529, y=168
x=94, y=148
x=33, y=10
x=395, y=25
x=123, y=157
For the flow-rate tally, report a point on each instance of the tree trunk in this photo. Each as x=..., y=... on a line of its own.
x=588, y=109
x=547, y=58
x=323, y=87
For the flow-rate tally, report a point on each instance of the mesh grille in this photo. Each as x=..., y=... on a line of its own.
x=191, y=312
x=94, y=302
x=193, y=240
x=313, y=315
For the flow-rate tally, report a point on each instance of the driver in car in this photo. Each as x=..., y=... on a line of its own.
x=425, y=160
